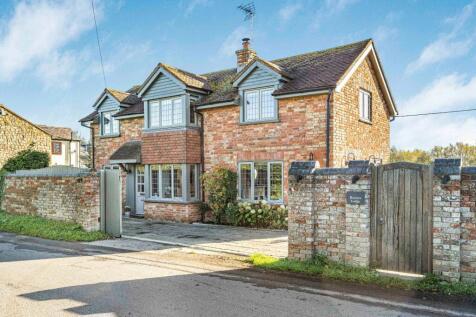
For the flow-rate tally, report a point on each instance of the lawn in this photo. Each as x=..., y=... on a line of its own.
x=48, y=229
x=322, y=267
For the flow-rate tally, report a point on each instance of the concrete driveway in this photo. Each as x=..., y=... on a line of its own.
x=224, y=239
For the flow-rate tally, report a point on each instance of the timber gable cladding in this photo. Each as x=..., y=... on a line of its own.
x=290, y=97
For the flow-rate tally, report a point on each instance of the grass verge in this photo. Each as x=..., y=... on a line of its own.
x=322, y=267
x=45, y=228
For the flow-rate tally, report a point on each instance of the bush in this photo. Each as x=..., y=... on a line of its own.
x=220, y=185
x=261, y=215
x=27, y=160
x=2, y=186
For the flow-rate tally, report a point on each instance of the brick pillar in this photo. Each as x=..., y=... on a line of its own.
x=468, y=224
x=447, y=218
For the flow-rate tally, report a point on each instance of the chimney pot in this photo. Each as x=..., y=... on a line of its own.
x=245, y=55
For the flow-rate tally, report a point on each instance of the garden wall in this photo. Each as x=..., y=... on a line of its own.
x=322, y=221
x=59, y=193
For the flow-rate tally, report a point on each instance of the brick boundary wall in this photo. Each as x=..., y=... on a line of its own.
x=320, y=220
x=67, y=198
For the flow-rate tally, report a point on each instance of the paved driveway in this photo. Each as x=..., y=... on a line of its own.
x=227, y=239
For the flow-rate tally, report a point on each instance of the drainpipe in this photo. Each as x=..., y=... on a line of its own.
x=92, y=144
x=328, y=127
x=202, y=153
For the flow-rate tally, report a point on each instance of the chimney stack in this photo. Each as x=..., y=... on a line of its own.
x=245, y=55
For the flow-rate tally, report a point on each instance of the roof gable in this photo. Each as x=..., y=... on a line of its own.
x=260, y=68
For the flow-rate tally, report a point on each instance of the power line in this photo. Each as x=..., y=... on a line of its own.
x=434, y=113
x=99, y=45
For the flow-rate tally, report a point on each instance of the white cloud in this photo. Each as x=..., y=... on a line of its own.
x=233, y=40
x=452, y=44
x=384, y=32
x=287, y=12
x=330, y=8
x=450, y=92
x=36, y=33
x=193, y=4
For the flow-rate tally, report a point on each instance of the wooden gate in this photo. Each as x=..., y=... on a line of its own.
x=401, y=217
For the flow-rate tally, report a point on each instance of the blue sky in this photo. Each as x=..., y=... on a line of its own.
x=49, y=64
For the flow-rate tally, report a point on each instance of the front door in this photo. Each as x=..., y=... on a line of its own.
x=140, y=189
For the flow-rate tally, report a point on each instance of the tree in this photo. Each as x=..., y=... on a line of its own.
x=220, y=186
x=466, y=152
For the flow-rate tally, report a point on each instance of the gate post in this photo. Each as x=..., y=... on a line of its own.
x=447, y=218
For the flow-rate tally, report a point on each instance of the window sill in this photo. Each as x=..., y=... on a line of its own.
x=171, y=201
x=168, y=129
x=365, y=121
x=260, y=122
x=107, y=136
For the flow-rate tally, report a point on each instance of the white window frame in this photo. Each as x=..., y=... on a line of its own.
x=160, y=102
x=185, y=182
x=365, y=114
x=252, y=192
x=260, y=106
x=113, y=123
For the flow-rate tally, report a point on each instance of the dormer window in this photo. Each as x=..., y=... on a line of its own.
x=259, y=105
x=166, y=113
x=109, y=124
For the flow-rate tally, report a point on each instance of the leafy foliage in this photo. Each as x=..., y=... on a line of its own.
x=220, y=186
x=45, y=228
x=2, y=186
x=466, y=152
x=259, y=215
x=27, y=159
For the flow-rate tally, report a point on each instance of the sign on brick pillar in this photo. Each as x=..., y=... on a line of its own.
x=357, y=214
x=447, y=218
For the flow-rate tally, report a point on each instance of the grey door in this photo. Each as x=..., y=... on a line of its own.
x=401, y=217
x=140, y=189
x=111, y=202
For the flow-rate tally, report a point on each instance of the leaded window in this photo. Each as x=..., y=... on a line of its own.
x=166, y=112
x=261, y=181
x=259, y=105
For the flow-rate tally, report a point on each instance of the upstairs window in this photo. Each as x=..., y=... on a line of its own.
x=259, y=105
x=166, y=113
x=365, y=105
x=56, y=148
x=110, y=125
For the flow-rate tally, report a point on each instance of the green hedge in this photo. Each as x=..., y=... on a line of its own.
x=27, y=160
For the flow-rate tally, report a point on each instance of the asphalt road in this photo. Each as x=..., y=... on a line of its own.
x=46, y=278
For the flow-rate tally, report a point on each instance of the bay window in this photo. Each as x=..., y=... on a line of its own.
x=259, y=105
x=109, y=124
x=174, y=182
x=261, y=181
x=166, y=113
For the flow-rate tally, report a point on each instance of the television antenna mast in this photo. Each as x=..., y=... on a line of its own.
x=249, y=12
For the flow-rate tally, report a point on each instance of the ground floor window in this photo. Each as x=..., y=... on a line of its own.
x=261, y=181
x=174, y=181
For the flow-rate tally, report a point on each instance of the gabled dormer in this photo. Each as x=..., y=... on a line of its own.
x=107, y=105
x=167, y=94
x=256, y=83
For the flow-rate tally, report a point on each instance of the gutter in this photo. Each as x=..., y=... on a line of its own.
x=328, y=127
x=92, y=144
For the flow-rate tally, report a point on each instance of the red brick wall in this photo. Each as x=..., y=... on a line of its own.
x=174, y=212
x=104, y=147
x=351, y=135
x=301, y=130
x=171, y=147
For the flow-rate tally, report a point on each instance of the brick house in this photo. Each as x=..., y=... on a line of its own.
x=255, y=118
x=65, y=146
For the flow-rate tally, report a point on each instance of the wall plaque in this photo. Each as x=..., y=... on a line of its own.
x=355, y=198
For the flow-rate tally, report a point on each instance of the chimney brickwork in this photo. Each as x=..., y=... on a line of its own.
x=245, y=55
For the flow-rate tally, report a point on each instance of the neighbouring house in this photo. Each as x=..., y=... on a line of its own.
x=255, y=118
x=18, y=134
x=65, y=146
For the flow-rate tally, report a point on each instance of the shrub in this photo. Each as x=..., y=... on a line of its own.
x=220, y=186
x=2, y=187
x=261, y=215
x=27, y=159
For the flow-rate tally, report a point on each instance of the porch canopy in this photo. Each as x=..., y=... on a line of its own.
x=128, y=153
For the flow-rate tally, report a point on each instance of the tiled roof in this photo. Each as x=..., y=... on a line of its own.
x=127, y=152
x=137, y=108
x=90, y=117
x=189, y=79
x=59, y=133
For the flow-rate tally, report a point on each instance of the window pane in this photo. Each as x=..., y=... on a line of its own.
x=154, y=110
x=115, y=125
x=276, y=181
x=178, y=181
x=154, y=171
x=267, y=105
x=261, y=181
x=251, y=106
x=166, y=112
x=192, y=185
x=192, y=115
x=245, y=181
x=178, y=111
x=106, y=123
x=167, y=181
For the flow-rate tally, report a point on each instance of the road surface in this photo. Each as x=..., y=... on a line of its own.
x=48, y=278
